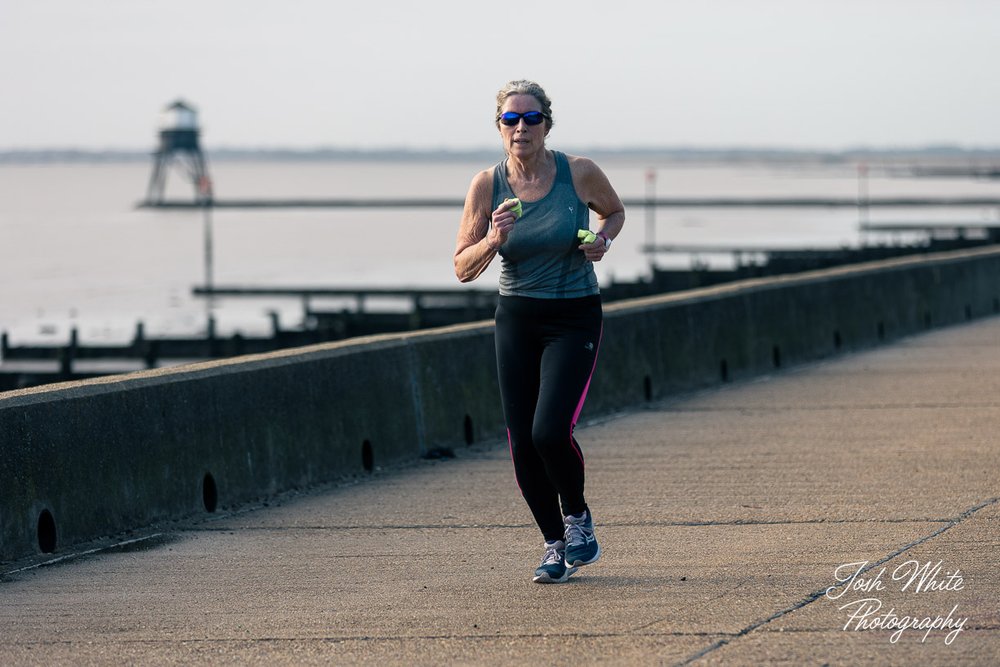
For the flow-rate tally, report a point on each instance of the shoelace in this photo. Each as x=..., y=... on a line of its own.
x=576, y=534
x=552, y=556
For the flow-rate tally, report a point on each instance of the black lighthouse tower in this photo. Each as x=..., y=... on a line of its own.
x=179, y=145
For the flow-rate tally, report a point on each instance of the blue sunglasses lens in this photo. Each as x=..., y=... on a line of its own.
x=512, y=118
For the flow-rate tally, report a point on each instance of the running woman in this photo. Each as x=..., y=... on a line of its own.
x=529, y=209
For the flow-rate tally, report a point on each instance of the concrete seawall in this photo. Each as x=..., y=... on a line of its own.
x=90, y=459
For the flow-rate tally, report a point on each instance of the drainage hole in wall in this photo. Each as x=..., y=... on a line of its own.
x=880, y=330
x=46, y=532
x=647, y=387
x=776, y=356
x=968, y=312
x=367, y=456
x=996, y=305
x=470, y=434
x=209, y=492
x=724, y=370
x=837, y=342
x=927, y=320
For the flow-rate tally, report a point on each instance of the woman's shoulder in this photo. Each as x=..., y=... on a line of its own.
x=585, y=173
x=581, y=165
x=483, y=179
x=481, y=187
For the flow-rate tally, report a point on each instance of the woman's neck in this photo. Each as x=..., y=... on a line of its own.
x=527, y=169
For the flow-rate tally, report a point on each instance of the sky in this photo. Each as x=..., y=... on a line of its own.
x=805, y=74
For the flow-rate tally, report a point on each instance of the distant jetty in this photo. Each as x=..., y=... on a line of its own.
x=659, y=202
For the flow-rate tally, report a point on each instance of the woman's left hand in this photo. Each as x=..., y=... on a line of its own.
x=595, y=250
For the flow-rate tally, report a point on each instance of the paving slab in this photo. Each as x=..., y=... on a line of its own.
x=725, y=516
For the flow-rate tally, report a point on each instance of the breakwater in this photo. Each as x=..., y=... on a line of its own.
x=656, y=202
x=94, y=458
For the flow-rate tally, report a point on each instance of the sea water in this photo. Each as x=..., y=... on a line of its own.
x=77, y=252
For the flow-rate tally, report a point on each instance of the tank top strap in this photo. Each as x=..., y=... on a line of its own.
x=563, y=174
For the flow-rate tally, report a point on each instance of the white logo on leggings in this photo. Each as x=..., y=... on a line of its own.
x=589, y=347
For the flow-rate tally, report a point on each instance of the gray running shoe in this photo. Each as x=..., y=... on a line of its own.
x=581, y=545
x=553, y=569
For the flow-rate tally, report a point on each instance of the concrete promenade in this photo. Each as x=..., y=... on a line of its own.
x=724, y=516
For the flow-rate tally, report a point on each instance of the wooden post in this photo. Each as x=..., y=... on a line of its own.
x=66, y=362
x=152, y=352
x=213, y=343
x=416, y=316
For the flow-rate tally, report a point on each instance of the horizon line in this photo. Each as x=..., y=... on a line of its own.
x=940, y=150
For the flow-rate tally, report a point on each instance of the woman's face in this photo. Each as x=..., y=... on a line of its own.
x=522, y=140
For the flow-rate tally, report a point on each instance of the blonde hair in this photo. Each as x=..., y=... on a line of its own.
x=525, y=87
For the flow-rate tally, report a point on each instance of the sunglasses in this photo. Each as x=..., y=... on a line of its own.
x=512, y=118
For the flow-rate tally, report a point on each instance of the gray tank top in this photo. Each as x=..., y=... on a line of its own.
x=541, y=258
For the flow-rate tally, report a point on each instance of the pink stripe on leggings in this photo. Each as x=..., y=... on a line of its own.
x=583, y=397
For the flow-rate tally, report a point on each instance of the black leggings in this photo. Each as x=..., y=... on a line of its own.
x=546, y=354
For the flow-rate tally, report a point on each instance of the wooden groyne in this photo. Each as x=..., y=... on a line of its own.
x=35, y=364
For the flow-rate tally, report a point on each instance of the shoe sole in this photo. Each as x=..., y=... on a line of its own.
x=578, y=563
x=546, y=579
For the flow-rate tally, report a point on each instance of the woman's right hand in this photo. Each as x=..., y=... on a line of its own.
x=502, y=221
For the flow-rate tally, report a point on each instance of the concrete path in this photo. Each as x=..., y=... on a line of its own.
x=724, y=517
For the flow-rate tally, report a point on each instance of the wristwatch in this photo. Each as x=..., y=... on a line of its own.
x=607, y=240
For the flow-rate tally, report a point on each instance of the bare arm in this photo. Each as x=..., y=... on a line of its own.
x=479, y=240
x=594, y=188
